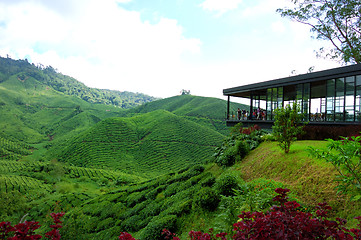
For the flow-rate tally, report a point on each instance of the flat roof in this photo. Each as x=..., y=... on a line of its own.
x=245, y=90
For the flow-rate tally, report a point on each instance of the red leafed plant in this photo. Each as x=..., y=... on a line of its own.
x=26, y=230
x=54, y=233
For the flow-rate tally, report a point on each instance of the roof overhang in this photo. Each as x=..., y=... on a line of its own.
x=246, y=90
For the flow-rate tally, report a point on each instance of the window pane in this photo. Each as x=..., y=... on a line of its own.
x=330, y=100
x=340, y=99
x=350, y=99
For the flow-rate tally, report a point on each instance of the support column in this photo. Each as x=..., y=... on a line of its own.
x=251, y=107
x=228, y=105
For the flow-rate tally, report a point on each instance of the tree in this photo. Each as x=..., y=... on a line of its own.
x=337, y=21
x=287, y=125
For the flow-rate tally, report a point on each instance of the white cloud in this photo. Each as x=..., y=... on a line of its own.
x=220, y=6
x=102, y=45
x=105, y=46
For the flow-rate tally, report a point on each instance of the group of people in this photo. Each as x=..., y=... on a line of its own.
x=242, y=114
x=257, y=114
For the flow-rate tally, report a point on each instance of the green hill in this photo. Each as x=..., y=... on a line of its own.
x=34, y=112
x=206, y=111
x=147, y=144
x=23, y=70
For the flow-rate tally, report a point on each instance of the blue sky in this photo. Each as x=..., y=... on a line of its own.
x=159, y=47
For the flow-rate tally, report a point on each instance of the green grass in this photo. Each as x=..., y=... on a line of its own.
x=311, y=179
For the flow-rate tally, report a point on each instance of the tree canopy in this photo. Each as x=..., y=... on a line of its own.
x=336, y=21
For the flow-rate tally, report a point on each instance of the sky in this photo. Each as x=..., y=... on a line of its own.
x=159, y=47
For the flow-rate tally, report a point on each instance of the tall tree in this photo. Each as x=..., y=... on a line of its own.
x=337, y=21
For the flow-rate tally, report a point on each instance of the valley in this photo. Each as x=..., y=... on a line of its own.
x=116, y=162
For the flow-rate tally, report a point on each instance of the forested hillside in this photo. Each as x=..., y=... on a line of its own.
x=47, y=75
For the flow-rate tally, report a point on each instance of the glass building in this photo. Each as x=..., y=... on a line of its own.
x=329, y=97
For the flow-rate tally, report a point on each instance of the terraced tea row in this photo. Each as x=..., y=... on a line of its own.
x=12, y=150
x=145, y=145
x=21, y=183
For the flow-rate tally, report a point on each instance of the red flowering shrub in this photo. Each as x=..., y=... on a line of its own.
x=26, y=230
x=54, y=233
x=126, y=236
x=250, y=129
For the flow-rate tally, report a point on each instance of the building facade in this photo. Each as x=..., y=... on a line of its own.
x=330, y=96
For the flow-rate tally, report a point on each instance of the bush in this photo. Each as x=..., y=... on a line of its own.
x=207, y=199
x=285, y=221
x=231, y=152
x=131, y=224
x=208, y=181
x=154, y=229
x=226, y=185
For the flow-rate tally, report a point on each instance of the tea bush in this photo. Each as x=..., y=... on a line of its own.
x=207, y=199
x=226, y=185
x=154, y=229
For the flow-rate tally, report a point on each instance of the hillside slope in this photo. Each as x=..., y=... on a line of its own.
x=311, y=179
x=147, y=145
x=33, y=112
x=48, y=76
x=206, y=111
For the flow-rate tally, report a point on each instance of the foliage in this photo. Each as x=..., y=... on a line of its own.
x=12, y=204
x=155, y=228
x=344, y=155
x=207, y=199
x=146, y=145
x=226, y=185
x=236, y=146
x=69, y=86
x=287, y=125
x=26, y=230
x=336, y=21
x=285, y=221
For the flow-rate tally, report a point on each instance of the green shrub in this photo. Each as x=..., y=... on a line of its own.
x=131, y=224
x=152, y=209
x=207, y=199
x=226, y=185
x=232, y=151
x=172, y=189
x=154, y=229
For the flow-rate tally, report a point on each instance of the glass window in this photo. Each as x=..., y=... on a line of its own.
x=274, y=101
x=358, y=99
x=305, y=103
x=350, y=98
x=340, y=99
x=269, y=104
x=330, y=101
x=280, y=97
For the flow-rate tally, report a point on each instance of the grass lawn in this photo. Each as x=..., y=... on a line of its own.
x=311, y=179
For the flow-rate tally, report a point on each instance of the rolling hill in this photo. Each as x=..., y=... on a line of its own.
x=147, y=145
x=206, y=111
x=23, y=70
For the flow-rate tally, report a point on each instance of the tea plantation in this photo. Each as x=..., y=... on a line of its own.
x=116, y=162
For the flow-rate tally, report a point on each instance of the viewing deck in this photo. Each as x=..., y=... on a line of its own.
x=330, y=97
